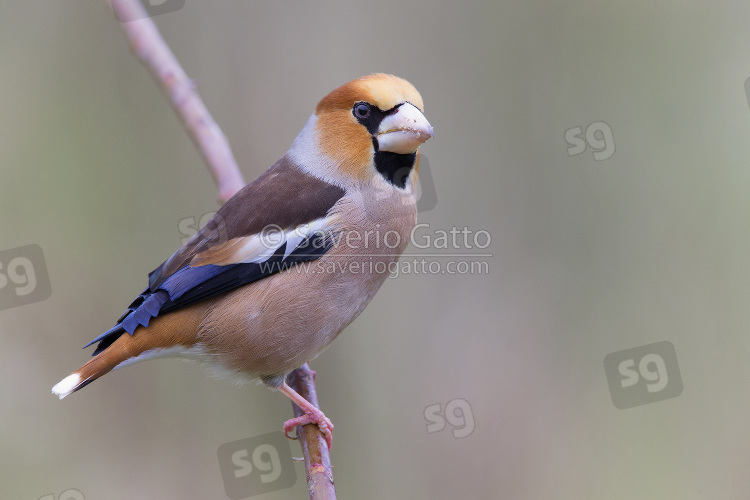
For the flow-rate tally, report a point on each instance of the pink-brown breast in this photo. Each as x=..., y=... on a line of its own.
x=270, y=327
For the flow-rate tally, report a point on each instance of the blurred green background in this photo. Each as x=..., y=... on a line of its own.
x=587, y=257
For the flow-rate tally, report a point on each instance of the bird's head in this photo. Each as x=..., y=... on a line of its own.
x=368, y=128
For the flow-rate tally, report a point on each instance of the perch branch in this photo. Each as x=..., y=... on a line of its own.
x=314, y=447
x=148, y=45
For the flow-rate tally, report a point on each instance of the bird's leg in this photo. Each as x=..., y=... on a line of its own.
x=312, y=415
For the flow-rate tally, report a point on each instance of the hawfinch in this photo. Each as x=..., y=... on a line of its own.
x=289, y=261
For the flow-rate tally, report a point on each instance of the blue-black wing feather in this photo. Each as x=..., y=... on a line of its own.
x=193, y=284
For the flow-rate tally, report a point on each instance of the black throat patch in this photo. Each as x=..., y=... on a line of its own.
x=394, y=167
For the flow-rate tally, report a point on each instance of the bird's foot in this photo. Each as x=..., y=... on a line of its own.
x=312, y=416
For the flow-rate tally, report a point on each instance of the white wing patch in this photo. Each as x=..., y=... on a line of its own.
x=293, y=238
x=262, y=246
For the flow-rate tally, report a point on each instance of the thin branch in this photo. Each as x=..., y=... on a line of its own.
x=148, y=45
x=317, y=459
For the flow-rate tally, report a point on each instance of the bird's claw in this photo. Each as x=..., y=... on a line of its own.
x=318, y=418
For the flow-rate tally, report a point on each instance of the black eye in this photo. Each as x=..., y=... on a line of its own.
x=361, y=110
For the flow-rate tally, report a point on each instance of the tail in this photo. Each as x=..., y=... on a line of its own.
x=165, y=336
x=100, y=365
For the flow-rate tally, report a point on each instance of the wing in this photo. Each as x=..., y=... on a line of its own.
x=276, y=221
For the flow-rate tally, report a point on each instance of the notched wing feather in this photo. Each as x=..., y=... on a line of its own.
x=232, y=249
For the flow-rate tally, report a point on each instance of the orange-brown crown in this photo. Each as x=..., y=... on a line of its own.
x=384, y=91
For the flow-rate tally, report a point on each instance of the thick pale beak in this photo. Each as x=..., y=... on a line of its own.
x=403, y=131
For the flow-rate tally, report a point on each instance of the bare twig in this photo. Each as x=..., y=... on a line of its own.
x=314, y=447
x=148, y=45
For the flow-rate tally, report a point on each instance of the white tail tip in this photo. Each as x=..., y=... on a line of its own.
x=67, y=385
